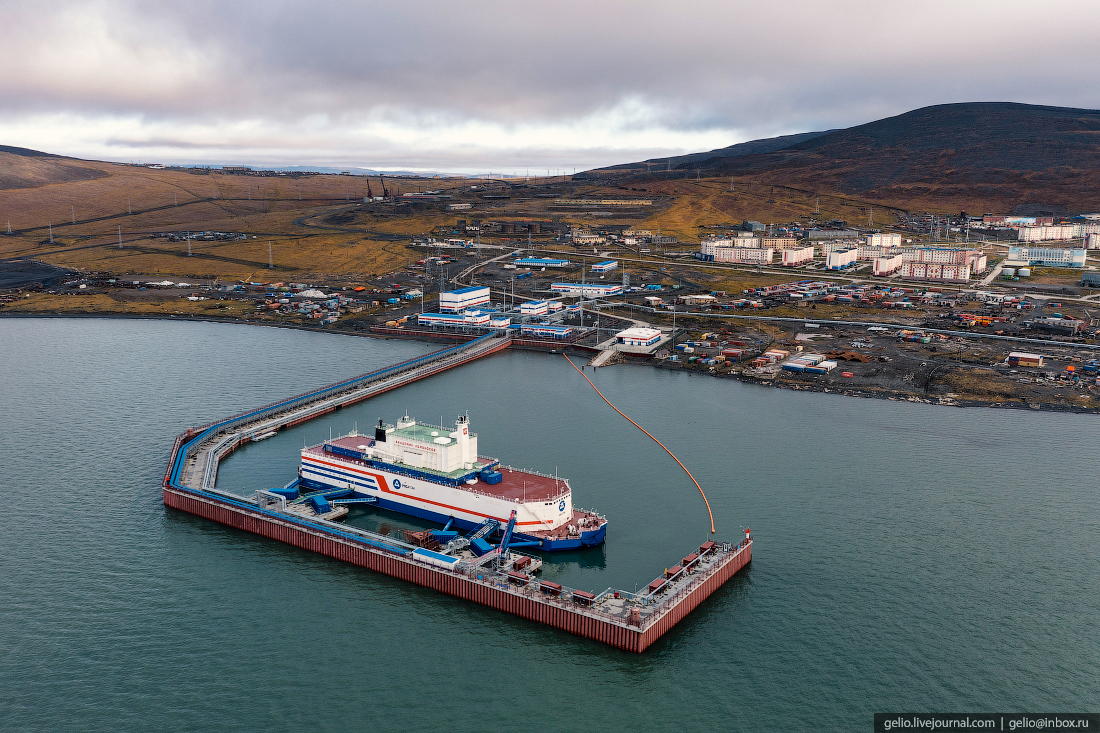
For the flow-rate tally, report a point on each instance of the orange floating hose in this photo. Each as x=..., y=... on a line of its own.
x=616, y=409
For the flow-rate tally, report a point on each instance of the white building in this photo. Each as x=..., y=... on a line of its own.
x=744, y=255
x=795, y=257
x=1048, y=256
x=607, y=266
x=459, y=300
x=587, y=290
x=841, y=258
x=935, y=271
x=638, y=336
x=1056, y=232
x=779, y=243
x=888, y=265
x=534, y=308
x=884, y=240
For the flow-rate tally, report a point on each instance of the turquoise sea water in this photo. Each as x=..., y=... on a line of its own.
x=907, y=556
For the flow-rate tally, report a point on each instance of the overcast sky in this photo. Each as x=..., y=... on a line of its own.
x=508, y=86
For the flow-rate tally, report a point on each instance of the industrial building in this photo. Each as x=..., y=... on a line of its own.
x=638, y=336
x=841, y=258
x=795, y=257
x=832, y=234
x=1019, y=358
x=587, y=238
x=540, y=262
x=586, y=290
x=442, y=319
x=456, y=301
x=1046, y=256
x=606, y=266
x=542, y=330
x=1056, y=324
x=534, y=308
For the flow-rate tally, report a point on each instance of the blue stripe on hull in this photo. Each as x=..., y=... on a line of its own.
x=591, y=538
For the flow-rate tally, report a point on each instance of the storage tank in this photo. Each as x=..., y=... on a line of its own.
x=534, y=227
x=1024, y=272
x=1009, y=272
x=508, y=228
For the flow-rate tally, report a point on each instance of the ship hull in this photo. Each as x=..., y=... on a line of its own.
x=312, y=480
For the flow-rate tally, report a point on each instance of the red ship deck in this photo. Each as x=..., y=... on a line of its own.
x=524, y=486
x=516, y=484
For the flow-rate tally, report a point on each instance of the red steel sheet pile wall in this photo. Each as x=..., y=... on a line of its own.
x=573, y=621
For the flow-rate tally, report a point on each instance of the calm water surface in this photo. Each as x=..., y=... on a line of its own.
x=908, y=556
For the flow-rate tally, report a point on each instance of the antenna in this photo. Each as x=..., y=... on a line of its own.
x=73, y=210
x=51, y=232
x=129, y=208
x=188, y=244
x=270, y=261
x=120, y=236
x=9, y=226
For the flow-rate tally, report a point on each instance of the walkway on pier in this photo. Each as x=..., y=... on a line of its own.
x=195, y=466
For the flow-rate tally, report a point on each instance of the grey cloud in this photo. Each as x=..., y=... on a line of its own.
x=749, y=68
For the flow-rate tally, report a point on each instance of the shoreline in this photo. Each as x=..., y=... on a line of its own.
x=773, y=382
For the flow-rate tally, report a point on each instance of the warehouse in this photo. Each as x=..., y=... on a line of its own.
x=607, y=266
x=590, y=290
x=1019, y=358
x=541, y=262
x=542, y=330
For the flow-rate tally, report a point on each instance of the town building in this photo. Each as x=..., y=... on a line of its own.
x=795, y=257
x=1046, y=256
x=743, y=255
x=841, y=258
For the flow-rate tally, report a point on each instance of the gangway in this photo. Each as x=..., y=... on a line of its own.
x=507, y=534
x=484, y=529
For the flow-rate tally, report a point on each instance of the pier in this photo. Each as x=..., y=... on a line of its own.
x=627, y=620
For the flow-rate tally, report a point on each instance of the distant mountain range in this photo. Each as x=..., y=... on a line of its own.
x=985, y=153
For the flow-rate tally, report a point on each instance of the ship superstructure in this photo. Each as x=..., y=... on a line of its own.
x=436, y=473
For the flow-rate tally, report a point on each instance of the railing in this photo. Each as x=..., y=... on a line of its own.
x=426, y=364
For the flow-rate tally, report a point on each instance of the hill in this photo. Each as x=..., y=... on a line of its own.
x=24, y=168
x=991, y=156
x=752, y=147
